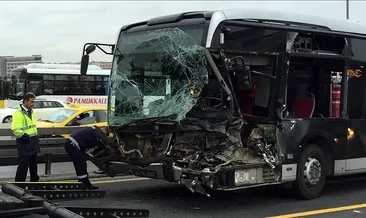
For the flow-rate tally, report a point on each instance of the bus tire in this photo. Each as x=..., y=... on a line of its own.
x=7, y=119
x=311, y=173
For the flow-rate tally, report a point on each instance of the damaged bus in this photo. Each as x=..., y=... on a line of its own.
x=234, y=99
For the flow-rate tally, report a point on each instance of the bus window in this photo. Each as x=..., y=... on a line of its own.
x=246, y=38
x=87, y=78
x=310, y=87
x=106, y=85
x=35, y=87
x=358, y=49
x=49, y=85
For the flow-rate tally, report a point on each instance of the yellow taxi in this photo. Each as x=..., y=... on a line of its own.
x=75, y=116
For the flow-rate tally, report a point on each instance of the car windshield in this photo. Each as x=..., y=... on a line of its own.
x=15, y=106
x=157, y=73
x=61, y=115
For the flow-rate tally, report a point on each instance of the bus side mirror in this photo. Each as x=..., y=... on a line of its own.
x=243, y=76
x=85, y=59
x=84, y=64
x=241, y=72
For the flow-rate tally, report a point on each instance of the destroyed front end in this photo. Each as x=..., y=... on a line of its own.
x=175, y=113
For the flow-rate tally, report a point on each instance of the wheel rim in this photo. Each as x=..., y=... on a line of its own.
x=312, y=171
x=8, y=120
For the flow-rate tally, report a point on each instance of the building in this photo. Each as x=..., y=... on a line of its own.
x=8, y=63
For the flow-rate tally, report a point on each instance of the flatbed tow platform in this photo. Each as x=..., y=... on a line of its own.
x=21, y=199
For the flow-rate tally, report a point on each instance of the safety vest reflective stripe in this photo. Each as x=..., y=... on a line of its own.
x=74, y=142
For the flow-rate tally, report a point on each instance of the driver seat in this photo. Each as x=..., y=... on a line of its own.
x=303, y=107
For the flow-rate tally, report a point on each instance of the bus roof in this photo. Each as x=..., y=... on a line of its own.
x=71, y=69
x=339, y=25
x=296, y=19
x=329, y=24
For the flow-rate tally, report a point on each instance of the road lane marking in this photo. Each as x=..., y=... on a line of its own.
x=322, y=211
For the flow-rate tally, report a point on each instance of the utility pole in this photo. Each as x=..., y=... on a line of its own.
x=347, y=9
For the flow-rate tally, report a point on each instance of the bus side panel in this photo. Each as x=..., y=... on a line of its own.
x=330, y=134
x=356, y=147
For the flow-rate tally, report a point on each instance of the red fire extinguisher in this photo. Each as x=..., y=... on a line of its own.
x=336, y=98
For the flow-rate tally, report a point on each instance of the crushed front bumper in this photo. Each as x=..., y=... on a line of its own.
x=154, y=170
x=224, y=179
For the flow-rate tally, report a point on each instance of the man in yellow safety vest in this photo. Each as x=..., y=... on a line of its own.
x=25, y=130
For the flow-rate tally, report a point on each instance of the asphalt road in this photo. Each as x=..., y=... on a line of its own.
x=164, y=199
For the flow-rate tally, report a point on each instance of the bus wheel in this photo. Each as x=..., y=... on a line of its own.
x=311, y=173
x=7, y=119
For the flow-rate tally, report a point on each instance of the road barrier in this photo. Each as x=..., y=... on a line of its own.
x=52, y=149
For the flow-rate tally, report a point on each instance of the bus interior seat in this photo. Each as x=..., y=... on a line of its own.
x=304, y=106
x=247, y=104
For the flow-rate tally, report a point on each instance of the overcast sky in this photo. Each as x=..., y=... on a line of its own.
x=57, y=30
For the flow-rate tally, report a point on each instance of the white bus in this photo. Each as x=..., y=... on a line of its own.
x=59, y=82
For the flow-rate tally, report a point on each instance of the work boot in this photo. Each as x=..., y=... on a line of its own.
x=90, y=186
x=85, y=184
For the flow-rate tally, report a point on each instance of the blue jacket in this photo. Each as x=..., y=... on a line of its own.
x=90, y=137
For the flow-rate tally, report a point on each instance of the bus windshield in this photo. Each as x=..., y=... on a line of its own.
x=157, y=73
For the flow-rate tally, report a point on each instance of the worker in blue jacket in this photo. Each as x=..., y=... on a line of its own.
x=78, y=142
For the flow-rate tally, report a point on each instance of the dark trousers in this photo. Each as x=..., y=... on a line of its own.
x=78, y=160
x=26, y=162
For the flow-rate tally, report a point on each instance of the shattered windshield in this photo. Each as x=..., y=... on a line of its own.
x=157, y=73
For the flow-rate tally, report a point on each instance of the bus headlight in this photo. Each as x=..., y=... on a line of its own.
x=248, y=176
x=241, y=177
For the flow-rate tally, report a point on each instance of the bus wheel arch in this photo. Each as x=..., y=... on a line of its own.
x=310, y=178
x=325, y=145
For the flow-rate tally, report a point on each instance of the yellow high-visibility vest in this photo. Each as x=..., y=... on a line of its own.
x=22, y=123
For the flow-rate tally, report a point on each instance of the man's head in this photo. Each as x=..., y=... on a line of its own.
x=28, y=100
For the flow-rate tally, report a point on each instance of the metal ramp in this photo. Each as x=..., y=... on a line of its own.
x=20, y=199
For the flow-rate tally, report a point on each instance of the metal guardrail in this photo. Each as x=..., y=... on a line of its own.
x=6, y=131
x=52, y=149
